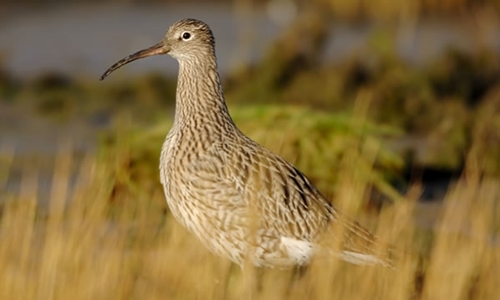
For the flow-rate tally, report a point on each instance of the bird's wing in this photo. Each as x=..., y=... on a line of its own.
x=290, y=204
x=280, y=196
x=284, y=201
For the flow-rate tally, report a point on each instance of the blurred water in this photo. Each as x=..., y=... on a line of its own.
x=87, y=39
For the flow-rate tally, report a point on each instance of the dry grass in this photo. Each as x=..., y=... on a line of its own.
x=112, y=242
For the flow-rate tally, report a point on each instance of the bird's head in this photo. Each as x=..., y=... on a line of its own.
x=187, y=41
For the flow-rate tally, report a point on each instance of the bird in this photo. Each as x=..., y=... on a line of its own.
x=242, y=201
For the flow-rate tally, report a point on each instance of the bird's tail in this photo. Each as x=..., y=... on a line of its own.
x=357, y=245
x=365, y=259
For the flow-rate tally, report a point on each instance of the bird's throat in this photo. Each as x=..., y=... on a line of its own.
x=199, y=97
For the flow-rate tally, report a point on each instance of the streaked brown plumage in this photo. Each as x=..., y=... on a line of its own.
x=241, y=200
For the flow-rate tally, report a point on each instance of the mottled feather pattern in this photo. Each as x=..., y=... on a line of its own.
x=241, y=200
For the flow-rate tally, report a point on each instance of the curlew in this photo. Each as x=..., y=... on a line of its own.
x=241, y=200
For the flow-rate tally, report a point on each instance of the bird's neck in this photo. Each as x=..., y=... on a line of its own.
x=199, y=99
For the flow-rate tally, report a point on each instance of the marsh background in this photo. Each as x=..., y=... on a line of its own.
x=391, y=107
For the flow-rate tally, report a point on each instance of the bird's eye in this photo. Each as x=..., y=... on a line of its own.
x=186, y=36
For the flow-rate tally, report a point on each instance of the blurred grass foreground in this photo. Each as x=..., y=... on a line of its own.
x=114, y=240
x=92, y=222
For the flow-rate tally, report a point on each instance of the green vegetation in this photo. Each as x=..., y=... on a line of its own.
x=439, y=107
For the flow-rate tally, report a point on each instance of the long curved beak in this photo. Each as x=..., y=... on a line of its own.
x=153, y=50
